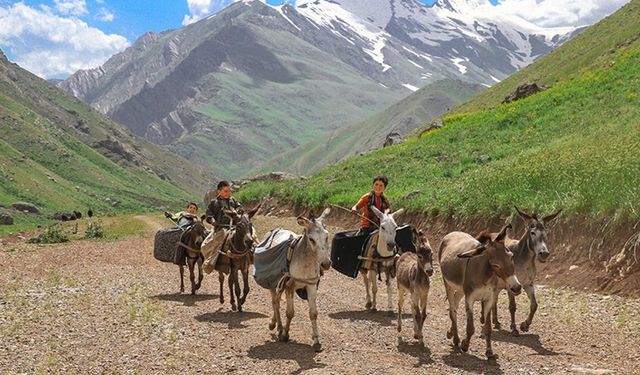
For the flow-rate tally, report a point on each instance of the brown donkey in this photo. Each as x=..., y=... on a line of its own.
x=412, y=273
x=235, y=256
x=471, y=267
x=531, y=246
x=190, y=241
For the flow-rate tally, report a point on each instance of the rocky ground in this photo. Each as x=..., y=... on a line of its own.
x=110, y=307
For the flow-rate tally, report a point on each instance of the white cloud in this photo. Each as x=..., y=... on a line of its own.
x=201, y=8
x=72, y=7
x=52, y=46
x=554, y=13
x=105, y=15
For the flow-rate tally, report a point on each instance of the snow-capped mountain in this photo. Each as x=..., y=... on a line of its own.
x=253, y=81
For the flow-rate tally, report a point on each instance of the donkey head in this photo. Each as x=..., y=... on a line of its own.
x=387, y=231
x=194, y=234
x=244, y=236
x=499, y=257
x=317, y=237
x=536, y=235
x=423, y=251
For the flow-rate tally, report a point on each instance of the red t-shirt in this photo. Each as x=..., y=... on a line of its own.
x=363, y=204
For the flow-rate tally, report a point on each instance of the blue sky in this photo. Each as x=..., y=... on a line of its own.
x=54, y=38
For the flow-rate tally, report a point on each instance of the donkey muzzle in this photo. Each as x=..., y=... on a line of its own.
x=326, y=265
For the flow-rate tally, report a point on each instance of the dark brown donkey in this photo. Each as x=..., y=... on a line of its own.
x=236, y=255
x=412, y=273
x=471, y=267
x=531, y=246
x=191, y=240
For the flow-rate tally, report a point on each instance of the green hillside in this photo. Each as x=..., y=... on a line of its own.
x=402, y=117
x=575, y=145
x=61, y=155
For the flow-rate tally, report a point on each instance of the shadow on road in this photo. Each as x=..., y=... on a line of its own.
x=471, y=363
x=384, y=318
x=304, y=355
x=233, y=318
x=529, y=340
x=186, y=298
x=417, y=350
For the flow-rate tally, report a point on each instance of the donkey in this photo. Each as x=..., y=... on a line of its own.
x=190, y=241
x=471, y=267
x=309, y=256
x=412, y=273
x=235, y=256
x=382, y=243
x=531, y=246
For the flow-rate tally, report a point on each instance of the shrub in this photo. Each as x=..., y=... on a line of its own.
x=52, y=234
x=94, y=230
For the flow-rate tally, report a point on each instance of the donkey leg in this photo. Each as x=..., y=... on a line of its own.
x=454, y=300
x=488, y=304
x=423, y=311
x=470, y=328
x=374, y=289
x=389, y=291
x=400, y=303
x=245, y=288
x=512, y=312
x=494, y=314
x=221, y=282
x=236, y=285
x=275, y=304
x=417, y=315
x=200, y=274
x=284, y=336
x=313, y=316
x=533, y=306
x=365, y=277
x=231, y=281
x=192, y=275
x=181, y=279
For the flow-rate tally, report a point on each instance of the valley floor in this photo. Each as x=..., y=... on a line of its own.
x=110, y=307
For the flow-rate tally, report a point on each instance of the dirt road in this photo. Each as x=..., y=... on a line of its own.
x=110, y=307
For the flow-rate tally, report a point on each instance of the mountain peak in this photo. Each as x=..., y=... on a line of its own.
x=460, y=5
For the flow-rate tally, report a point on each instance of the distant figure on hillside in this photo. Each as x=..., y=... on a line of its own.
x=184, y=218
x=375, y=198
x=90, y=212
x=215, y=216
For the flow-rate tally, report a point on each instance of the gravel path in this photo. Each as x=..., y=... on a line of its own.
x=110, y=307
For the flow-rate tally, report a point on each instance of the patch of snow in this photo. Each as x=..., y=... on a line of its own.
x=410, y=87
x=281, y=11
x=457, y=62
x=416, y=64
x=494, y=78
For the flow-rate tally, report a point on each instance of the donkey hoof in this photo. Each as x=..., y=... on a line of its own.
x=449, y=335
x=272, y=326
x=481, y=319
x=374, y=309
x=465, y=345
x=456, y=342
x=497, y=326
x=490, y=356
x=317, y=347
x=524, y=327
x=284, y=337
x=368, y=306
x=239, y=308
x=233, y=308
x=193, y=292
x=515, y=333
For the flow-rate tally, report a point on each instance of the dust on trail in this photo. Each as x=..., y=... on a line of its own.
x=110, y=307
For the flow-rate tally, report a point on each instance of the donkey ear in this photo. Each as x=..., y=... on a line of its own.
x=376, y=212
x=303, y=221
x=254, y=211
x=397, y=213
x=552, y=216
x=325, y=213
x=483, y=237
x=473, y=252
x=523, y=215
x=503, y=233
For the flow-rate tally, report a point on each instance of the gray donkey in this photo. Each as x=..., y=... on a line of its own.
x=412, y=273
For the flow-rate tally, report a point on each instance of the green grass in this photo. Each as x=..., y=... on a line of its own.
x=575, y=146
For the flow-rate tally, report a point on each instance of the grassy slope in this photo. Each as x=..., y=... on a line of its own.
x=404, y=116
x=44, y=160
x=576, y=145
